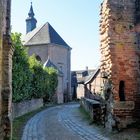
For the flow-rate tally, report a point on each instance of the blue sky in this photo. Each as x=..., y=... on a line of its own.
x=76, y=21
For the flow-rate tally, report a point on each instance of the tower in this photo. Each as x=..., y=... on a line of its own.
x=120, y=63
x=30, y=21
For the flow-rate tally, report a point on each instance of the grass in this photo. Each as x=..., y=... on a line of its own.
x=19, y=123
x=86, y=116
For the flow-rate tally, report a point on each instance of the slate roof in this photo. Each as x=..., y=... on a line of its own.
x=49, y=63
x=91, y=77
x=44, y=35
x=31, y=12
x=86, y=74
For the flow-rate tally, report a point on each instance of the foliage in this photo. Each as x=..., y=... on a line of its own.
x=21, y=74
x=30, y=79
x=52, y=81
x=44, y=79
x=85, y=114
x=39, y=78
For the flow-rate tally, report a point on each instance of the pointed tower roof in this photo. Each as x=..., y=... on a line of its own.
x=30, y=20
x=44, y=35
x=31, y=12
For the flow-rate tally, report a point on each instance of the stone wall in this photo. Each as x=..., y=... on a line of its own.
x=94, y=108
x=120, y=61
x=60, y=56
x=19, y=109
x=59, y=91
x=5, y=70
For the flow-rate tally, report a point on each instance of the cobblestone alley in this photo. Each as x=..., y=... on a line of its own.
x=60, y=123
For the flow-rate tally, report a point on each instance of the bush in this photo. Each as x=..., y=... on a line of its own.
x=44, y=80
x=29, y=79
x=39, y=78
x=21, y=73
x=52, y=82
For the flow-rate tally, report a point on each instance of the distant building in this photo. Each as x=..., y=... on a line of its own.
x=49, y=47
x=78, y=79
x=93, y=85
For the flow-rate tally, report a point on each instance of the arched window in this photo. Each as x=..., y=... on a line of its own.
x=38, y=58
x=122, y=91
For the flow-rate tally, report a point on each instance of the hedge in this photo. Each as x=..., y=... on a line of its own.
x=30, y=79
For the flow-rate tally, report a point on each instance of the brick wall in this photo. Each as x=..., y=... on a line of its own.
x=120, y=61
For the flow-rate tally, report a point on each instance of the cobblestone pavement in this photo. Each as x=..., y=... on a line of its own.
x=60, y=123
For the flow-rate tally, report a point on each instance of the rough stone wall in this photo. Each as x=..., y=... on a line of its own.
x=1, y=39
x=5, y=70
x=19, y=109
x=119, y=62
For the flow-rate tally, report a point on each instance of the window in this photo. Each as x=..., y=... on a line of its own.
x=38, y=58
x=61, y=69
x=137, y=12
x=138, y=40
x=139, y=63
x=122, y=91
x=60, y=66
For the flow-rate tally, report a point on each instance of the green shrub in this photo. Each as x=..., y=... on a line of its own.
x=39, y=78
x=44, y=79
x=52, y=82
x=21, y=73
x=30, y=79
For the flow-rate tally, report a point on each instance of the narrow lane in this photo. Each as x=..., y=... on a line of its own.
x=60, y=123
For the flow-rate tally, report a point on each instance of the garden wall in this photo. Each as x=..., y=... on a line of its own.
x=19, y=109
x=90, y=106
x=95, y=109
